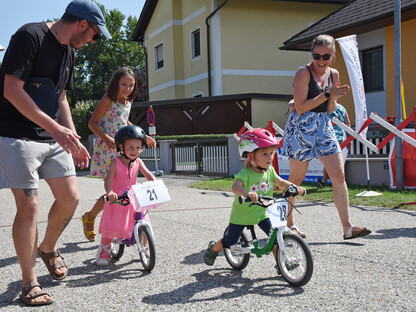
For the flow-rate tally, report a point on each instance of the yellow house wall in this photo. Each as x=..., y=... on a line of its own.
x=346, y=101
x=252, y=33
x=408, y=70
x=197, y=66
x=264, y=110
x=408, y=47
x=177, y=47
x=161, y=16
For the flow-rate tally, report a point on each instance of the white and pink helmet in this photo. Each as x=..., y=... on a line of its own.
x=255, y=138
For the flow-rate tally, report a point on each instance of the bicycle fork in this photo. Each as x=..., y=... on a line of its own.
x=140, y=221
x=290, y=263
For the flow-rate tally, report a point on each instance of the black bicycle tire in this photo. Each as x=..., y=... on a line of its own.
x=117, y=255
x=308, y=258
x=148, y=264
x=245, y=258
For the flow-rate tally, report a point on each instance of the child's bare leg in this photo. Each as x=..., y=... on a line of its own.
x=88, y=219
x=275, y=252
x=98, y=207
x=275, y=258
x=217, y=247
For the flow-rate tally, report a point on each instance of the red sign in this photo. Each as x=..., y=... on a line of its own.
x=151, y=116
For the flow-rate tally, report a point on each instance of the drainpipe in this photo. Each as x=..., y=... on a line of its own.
x=147, y=69
x=209, y=44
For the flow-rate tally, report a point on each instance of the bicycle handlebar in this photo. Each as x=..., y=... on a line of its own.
x=291, y=191
x=123, y=199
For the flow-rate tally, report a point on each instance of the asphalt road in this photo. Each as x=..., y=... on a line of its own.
x=374, y=273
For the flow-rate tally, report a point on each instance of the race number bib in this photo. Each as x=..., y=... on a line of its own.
x=278, y=213
x=150, y=193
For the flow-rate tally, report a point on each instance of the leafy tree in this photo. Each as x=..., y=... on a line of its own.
x=96, y=63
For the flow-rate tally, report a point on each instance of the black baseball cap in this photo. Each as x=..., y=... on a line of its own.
x=90, y=11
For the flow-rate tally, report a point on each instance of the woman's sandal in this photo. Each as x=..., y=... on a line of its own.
x=53, y=267
x=295, y=230
x=27, y=297
x=90, y=235
x=354, y=232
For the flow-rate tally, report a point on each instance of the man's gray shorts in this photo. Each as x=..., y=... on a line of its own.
x=23, y=163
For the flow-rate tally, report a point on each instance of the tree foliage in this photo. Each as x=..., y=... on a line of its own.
x=96, y=63
x=81, y=115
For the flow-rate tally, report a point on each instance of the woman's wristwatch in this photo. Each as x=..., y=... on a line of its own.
x=327, y=94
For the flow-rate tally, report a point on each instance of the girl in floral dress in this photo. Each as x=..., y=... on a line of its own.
x=111, y=113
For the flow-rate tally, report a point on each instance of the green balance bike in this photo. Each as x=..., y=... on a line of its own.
x=293, y=256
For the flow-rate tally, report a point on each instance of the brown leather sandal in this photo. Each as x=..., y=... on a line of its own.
x=356, y=231
x=296, y=230
x=52, y=268
x=27, y=298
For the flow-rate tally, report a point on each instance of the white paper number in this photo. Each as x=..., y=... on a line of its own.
x=151, y=193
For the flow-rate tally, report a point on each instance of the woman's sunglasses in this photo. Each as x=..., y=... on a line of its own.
x=325, y=57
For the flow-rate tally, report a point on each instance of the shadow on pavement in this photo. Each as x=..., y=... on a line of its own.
x=393, y=233
x=231, y=284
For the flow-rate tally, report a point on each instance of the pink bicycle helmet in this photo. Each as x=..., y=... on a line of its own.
x=254, y=139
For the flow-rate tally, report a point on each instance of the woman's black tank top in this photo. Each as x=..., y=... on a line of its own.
x=315, y=89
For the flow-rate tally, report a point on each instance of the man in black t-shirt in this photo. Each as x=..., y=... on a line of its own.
x=35, y=144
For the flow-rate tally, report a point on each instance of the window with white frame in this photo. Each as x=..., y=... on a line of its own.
x=373, y=76
x=159, y=60
x=196, y=43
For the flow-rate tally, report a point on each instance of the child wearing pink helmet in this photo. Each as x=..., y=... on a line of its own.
x=258, y=177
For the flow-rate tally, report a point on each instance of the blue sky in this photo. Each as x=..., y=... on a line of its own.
x=15, y=13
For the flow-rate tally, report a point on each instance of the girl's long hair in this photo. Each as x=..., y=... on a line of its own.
x=112, y=87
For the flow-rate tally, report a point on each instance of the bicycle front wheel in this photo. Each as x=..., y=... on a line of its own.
x=298, y=270
x=237, y=260
x=146, y=248
x=117, y=250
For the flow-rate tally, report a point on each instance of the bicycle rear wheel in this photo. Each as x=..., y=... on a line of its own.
x=117, y=250
x=237, y=260
x=298, y=271
x=146, y=248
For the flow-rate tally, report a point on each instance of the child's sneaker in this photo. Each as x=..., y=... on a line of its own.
x=103, y=261
x=210, y=255
x=103, y=255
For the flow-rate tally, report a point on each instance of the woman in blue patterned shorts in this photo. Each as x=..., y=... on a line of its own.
x=309, y=133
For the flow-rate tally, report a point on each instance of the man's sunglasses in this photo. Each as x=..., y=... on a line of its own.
x=97, y=36
x=325, y=57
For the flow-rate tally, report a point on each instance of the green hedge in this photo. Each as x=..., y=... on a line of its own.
x=190, y=137
x=80, y=115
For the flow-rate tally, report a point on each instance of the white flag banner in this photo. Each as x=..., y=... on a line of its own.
x=349, y=50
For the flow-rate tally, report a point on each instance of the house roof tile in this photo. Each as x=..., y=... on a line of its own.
x=357, y=16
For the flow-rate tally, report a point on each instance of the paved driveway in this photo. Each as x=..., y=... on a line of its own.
x=374, y=273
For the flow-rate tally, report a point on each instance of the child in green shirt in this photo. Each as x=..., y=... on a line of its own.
x=257, y=178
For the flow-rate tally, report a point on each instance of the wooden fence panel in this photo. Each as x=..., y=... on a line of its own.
x=211, y=117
